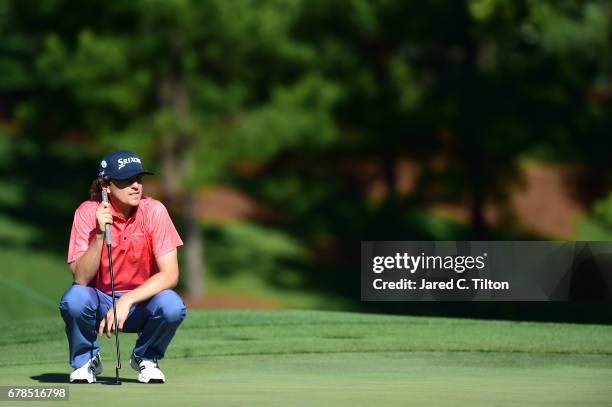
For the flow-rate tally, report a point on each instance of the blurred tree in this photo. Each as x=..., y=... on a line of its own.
x=195, y=85
x=464, y=87
x=575, y=40
x=303, y=89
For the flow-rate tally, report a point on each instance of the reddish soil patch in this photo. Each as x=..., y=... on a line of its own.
x=225, y=203
x=546, y=204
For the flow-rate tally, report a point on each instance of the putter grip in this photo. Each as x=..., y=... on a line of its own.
x=107, y=230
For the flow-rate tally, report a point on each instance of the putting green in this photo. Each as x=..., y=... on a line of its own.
x=264, y=358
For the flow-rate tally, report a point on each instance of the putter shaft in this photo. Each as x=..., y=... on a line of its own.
x=115, y=326
x=109, y=242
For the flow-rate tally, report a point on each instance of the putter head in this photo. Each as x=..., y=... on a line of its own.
x=116, y=381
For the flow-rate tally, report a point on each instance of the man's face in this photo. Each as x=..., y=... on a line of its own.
x=127, y=191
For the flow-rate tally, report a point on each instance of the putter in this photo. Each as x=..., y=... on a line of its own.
x=109, y=242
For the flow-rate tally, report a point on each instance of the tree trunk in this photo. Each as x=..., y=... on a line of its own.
x=478, y=197
x=473, y=153
x=173, y=151
x=194, y=248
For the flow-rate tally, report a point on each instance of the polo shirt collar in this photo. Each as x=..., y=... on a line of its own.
x=116, y=214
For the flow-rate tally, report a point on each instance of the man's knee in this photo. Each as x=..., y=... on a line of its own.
x=76, y=301
x=170, y=306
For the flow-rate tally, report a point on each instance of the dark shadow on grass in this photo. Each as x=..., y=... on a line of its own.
x=52, y=378
x=65, y=378
x=108, y=379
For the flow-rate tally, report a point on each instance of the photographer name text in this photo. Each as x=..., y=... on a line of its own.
x=479, y=284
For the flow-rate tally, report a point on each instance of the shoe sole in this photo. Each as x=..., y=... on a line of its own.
x=85, y=381
x=155, y=381
x=152, y=381
x=81, y=381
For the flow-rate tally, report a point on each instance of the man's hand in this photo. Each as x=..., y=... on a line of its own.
x=107, y=324
x=103, y=216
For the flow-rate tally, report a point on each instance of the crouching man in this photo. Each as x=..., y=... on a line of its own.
x=145, y=268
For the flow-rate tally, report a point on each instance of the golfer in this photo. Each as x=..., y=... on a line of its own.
x=145, y=268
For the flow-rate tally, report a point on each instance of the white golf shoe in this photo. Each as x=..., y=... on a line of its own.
x=88, y=372
x=148, y=370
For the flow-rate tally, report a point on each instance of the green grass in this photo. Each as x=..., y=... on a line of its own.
x=31, y=284
x=254, y=286
x=269, y=358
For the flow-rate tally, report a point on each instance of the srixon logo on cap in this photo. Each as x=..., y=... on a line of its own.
x=123, y=161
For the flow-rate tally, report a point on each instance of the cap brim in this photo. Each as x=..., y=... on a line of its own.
x=131, y=174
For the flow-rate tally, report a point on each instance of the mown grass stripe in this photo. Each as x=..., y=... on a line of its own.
x=28, y=292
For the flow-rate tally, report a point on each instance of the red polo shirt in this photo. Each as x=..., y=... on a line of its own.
x=137, y=241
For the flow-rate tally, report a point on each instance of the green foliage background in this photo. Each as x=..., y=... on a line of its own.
x=307, y=94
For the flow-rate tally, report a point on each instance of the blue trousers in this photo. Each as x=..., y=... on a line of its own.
x=155, y=321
